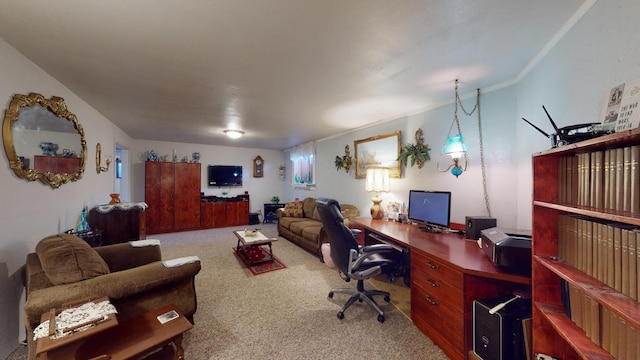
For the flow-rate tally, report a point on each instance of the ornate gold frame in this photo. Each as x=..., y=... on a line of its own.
x=387, y=150
x=58, y=107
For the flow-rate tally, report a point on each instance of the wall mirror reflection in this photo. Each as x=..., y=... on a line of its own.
x=43, y=140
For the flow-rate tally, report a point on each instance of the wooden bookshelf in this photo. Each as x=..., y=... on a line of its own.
x=554, y=332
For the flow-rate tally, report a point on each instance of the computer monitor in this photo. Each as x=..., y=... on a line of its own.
x=430, y=209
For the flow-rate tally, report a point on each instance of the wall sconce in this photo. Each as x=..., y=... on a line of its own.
x=107, y=160
x=377, y=180
x=454, y=145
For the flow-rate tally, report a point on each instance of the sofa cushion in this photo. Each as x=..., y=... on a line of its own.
x=293, y=209
x=68, y=259
x=286, y=221
x=298, y=226
x=311, y=234
x=309, y=205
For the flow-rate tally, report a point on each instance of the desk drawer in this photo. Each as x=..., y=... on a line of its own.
x=432, y=305
x=438, y=279
x=437, y=323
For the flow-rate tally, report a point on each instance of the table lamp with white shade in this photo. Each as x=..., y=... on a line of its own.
x=377, y=181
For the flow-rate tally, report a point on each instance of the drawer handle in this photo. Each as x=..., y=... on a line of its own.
x=433, y=283
x=431, y=301
x=432, y=265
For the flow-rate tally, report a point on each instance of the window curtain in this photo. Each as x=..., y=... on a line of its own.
x=303, y=160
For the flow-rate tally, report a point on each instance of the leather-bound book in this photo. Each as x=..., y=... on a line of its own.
x=626, y=180
x=619, y=188
x=634, y=180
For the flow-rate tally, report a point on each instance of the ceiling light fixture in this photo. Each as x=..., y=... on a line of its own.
x=234, y=134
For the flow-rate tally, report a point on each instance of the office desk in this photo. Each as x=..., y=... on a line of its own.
x=448, y=272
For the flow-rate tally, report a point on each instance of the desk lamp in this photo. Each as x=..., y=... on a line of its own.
x=377, y=180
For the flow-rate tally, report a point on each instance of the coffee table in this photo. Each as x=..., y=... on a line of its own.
x=247, y=244
x=132, y=339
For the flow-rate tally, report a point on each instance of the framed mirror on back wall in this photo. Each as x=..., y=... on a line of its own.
x=43, y=140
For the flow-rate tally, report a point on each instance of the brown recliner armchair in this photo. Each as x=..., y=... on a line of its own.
x=132, y=275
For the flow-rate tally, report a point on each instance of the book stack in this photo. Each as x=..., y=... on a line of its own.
x=605, y=180
x=603, y=326
x=606, y=251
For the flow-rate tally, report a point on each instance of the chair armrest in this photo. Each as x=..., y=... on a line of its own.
x=117, y=285
x=123, y=256
x=376, y=248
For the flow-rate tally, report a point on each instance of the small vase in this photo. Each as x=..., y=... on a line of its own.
x=115, y=199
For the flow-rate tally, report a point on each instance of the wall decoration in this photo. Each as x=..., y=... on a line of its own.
x=258, y=166
x=418, y=152
x=379, y=151
x=345, y=161
x=282, y=172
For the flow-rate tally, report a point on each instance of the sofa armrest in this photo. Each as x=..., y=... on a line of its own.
x=123, y=256
x=34, y=277
x=116, y=285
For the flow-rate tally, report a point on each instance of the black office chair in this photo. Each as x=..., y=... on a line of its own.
x=353, y=262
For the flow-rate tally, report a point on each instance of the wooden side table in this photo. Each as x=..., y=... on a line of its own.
x=132, y=338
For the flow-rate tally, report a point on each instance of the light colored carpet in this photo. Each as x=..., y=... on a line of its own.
x=284, y=314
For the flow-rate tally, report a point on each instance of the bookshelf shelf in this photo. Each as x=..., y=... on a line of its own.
x=604, y=214
x=583, y=346
x=605, y=322
x=622, y=305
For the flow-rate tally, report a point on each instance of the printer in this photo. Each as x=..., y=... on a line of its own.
x=509, y=251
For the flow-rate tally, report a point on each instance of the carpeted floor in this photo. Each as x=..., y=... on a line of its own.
x=284, y=314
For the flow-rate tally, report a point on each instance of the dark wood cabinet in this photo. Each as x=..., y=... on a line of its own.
x=56, y=164
x=118, y=225
x=218, y=212
x=172, y=191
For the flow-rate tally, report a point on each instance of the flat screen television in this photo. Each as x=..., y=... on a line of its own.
x=224, y=175
x=430, y=209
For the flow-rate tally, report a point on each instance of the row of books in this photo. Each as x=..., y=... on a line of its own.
x=603, y=326
x=607, y=179
x=607, y=251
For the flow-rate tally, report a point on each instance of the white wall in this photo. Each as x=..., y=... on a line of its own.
x=33, y=210
x=498, y=111
x=601, y=51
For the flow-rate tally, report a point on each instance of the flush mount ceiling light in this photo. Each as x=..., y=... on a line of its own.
x=234, y=134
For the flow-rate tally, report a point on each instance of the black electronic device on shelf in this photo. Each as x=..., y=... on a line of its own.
x=569, y=134
x=509, y=252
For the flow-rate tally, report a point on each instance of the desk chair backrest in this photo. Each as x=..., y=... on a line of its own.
x=340, y=236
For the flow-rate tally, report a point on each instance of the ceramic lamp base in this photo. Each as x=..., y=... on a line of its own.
x=377, y=212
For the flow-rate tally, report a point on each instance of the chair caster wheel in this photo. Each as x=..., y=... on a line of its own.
x=387, y=298
x=381, y=318
x=331, y=294
x=341, y=316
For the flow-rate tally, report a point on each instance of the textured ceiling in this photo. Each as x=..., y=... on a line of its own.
x=284, y=71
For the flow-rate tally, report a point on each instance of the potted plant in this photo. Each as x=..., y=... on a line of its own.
x=418, y=152
x=275, y=199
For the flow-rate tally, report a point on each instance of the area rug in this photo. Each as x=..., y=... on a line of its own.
x=257, y=253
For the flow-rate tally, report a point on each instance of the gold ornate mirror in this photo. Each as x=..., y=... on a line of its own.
x=43, y=140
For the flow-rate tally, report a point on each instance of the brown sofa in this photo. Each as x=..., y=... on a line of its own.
x=302, y=225
x=134, y=278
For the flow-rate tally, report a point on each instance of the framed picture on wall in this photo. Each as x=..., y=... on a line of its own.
x=379, y=151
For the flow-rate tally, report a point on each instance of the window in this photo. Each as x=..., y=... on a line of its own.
x=303, y=160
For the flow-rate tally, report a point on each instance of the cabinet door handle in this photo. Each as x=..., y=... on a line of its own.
x=433, y=283
x=432, y=265
x=431, y=301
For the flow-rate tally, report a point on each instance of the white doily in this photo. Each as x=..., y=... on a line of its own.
x=72, y=317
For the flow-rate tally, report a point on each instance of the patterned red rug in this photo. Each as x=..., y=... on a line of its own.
x=258, y=253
